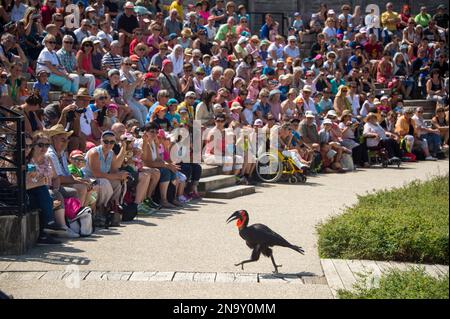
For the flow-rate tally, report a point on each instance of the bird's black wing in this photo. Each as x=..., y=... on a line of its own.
x=261, y=234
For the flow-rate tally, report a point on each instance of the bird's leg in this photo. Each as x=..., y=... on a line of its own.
x=255, y=256
x=274, y=264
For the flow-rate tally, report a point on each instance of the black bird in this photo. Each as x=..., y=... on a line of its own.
x=260, y=238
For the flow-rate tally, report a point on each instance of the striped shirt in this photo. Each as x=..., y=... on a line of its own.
x=111, y=62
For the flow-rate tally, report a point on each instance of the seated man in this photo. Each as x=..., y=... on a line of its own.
x=309, y=132
x=432, y=136
x=70, y=187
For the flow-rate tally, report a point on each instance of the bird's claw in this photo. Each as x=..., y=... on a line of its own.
x=240, y=264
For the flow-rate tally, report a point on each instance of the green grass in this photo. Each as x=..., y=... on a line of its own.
x=403, y=224
x=411, y=284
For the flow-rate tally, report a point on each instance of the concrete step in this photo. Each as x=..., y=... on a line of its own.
x=231, y=192
x=430, y=105
x=381, y=92
x=428, y=115
x=210, y=170
x=215, y=182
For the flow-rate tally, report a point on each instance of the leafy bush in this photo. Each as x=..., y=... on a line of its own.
x=411, y=284
x=403, y=224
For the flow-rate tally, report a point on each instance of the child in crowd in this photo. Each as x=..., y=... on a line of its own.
x=253, y=90
x=24, y=93
x=325, y=103
x=206, y=65
x=112, y=113
x=77, y=162
x=42, y=86
x=248, y=115
x=236, y=110
x=238, y=83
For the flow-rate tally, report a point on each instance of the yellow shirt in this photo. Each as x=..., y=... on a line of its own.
x=189, y=108
x=175, y=5
x=389, y=25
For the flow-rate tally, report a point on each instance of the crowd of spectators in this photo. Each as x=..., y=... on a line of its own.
x=129, y=74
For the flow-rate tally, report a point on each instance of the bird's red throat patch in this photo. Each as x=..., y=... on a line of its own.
x=240, y=222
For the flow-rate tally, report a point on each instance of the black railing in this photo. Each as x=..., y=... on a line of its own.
x=12, y=163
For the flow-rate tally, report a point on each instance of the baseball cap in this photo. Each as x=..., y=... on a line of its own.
x=172, y=101
x=331, y=113
x=172, y=36
x=292, y=38
x=296, y=14
x=327, y=121
x=149, y=75
x=76, y=153
x=190, y=94
x=165, y=62
x=258, y=122
x=309, y=114
x=112, y=72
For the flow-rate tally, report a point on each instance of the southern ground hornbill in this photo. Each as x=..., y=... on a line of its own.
x=260, y=238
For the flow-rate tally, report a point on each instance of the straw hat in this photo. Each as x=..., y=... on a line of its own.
x=57, y=129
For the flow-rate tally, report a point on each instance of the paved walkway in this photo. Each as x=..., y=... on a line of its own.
x=343, y=273
x=196, y=240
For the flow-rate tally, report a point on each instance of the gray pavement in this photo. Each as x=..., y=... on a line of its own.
x=196, y=239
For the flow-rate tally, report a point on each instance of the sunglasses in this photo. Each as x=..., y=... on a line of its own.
x=420, y=112
x=87, y=45
x=51, y=42
x=128, y=64
x=43, y=145
x=101, y=98
x=59, y=20
x=28, y=145
x=141, y=49
x=109, y=142
x=69, y=42
x=76, y=159
x=220, y=121
x=152, y=131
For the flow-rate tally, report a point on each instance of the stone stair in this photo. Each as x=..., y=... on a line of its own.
x=214, y=184
x=429, y=107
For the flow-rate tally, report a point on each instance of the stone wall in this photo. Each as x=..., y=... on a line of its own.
x=18, y=234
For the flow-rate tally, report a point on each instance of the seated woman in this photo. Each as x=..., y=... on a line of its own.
x=406, y=129
x=440, y=121
x=43, y=186
x=377, y=137
x=216, y=152
x=348, y=128
x=152, y=158
x=103, y=165
x=436, y=89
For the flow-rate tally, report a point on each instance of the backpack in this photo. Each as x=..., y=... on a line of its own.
x=128, y=211
x=79, y=217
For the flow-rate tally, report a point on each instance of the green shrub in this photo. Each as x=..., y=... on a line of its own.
x=403, y=224
x=411, y=284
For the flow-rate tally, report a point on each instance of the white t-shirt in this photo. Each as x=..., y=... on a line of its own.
x=330, y=32
x=85, y=121
x=374, y=128
x=45, y=56
x=355, y=104
x=292, y=52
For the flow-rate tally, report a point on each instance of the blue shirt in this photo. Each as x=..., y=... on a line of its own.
x=43, y=88
x=150, y=111
x=264, y=109
x=113, y=92
x=264, y=32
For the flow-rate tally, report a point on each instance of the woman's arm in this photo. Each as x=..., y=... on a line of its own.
x=79, y=60
x=118, y=160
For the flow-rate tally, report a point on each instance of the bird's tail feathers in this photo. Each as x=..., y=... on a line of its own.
x=297, y=249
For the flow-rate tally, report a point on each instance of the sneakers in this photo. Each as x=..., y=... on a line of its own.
x=183, y=199
x=54, y=228
x=177, y=203
x=194, y=196
x=150, y=203
x=144, y=209
x=47, y=240
x=69, y=233
x=430, y=158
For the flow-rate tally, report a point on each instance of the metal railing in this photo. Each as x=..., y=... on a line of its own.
x=12, y=163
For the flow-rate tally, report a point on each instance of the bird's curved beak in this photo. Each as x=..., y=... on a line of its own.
x=236, y=215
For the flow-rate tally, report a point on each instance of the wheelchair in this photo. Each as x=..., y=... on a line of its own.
x=379, y=156
x=272, y=168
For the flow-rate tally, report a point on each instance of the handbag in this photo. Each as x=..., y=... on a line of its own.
x=178, y=95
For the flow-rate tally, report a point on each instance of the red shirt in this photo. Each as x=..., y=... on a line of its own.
x=373, y=50
x=46, y=14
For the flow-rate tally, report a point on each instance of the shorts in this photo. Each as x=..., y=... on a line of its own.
x=166, y=175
